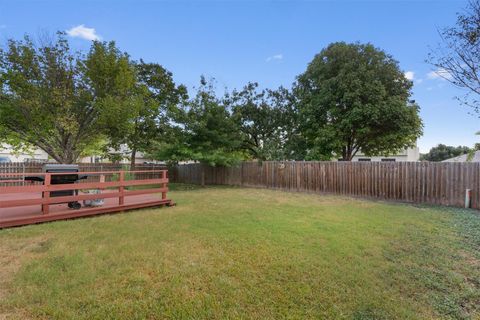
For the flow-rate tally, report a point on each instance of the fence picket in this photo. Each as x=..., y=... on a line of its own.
x=422, y=182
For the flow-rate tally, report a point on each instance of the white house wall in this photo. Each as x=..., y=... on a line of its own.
x=410, y=154
x=37, y=154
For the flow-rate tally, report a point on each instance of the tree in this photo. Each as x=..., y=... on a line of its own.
x=260, y=115
x=457, y=57
x=442, y=152
x=355, y=97
x=203, y=131
x=61, y=101
x=154, y=98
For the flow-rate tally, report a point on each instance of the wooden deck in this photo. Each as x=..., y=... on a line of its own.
x=22, y=205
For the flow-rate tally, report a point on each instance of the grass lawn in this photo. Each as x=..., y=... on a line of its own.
x=247, y=253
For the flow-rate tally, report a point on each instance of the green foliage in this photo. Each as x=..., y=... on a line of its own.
x=354, y=97
x=60, y=101
x=442, y=152
x=153, y=101
x=351, y=97
x=204, y=131
x=260, y=115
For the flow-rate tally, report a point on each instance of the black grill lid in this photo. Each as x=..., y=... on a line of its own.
x=54, y=167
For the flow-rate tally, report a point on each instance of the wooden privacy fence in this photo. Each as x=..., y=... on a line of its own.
x=420, y=182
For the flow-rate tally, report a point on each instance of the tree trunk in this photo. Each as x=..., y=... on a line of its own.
x=133, y=156
x=67, y=157
x=347, y=154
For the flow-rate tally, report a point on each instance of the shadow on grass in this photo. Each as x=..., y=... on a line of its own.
x=194, y=187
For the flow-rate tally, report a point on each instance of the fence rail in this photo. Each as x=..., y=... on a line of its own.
x=33, y=203
x=26, y=169
x=418, y=182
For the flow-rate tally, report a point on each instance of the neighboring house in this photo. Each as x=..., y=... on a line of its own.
x=34, y=155
x=465, y=158
x=38, y=155
x=410, y=154
x=124, y=153
x=139, y=159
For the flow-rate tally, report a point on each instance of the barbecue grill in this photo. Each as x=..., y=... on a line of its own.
x=61, y=179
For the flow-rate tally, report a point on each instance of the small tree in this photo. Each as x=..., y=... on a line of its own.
x=203, y=131
x=457, y=57
x=355, y=97
x=153, y=100
x=61, y=101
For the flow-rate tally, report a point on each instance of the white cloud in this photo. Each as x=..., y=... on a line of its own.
x=409, y=75
x=277, y=57
x=83, y=32
x=439, y=74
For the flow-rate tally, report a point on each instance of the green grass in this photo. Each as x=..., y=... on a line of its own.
x=228, y=253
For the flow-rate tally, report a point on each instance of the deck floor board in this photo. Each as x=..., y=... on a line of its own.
x=16, y=216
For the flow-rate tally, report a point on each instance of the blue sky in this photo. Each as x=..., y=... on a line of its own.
x=269, y=42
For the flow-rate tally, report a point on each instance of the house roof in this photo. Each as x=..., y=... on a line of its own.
x=465, y=158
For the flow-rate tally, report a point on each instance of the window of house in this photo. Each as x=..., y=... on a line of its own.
x=364, y=159
x=388, y=160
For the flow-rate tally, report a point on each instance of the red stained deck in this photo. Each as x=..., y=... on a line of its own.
x=23, y=205
x=18, y=216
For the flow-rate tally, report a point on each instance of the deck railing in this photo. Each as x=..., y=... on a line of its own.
x=113, y=184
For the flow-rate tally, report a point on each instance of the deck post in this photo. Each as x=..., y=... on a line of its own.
x=102, y=181
x=121, y=189
x=46, y=194
x=164, y=185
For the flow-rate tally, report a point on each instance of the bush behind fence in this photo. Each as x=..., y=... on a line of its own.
x=418, y=182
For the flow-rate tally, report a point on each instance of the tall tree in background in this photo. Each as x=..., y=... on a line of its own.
x=355, y=97
x=61, y=101
x=153, y=100
x=204, y=131
x=457, y=58
x=260, y=117
x=269, y=122
x=443, y=152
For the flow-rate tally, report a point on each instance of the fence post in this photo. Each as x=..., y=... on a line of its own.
x=121, y=189
x=46, y=194
x=23, y=172
x=102, y=181
x=468, y=198
x=164, y=175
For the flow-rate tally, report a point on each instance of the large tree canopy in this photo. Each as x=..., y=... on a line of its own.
x=261, y=118
x=355, y=97
x=60, y=101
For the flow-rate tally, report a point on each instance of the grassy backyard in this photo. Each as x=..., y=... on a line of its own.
x=247, y=253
